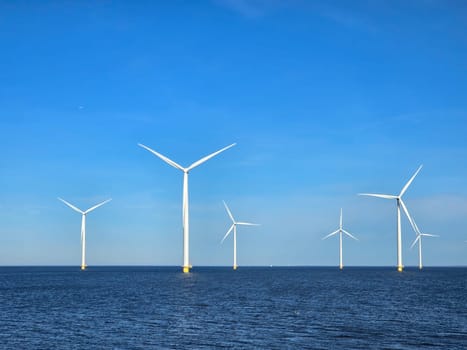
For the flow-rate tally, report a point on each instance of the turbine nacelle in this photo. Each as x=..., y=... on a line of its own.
x=420, y=234
x=419, y=238
x=340, y=230
x=192, y=166
x=398, y=198
x=85, y=211
x=234, y=223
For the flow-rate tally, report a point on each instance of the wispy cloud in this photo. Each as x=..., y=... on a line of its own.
x=346, y=17
x=251, y=8
x=259, y=8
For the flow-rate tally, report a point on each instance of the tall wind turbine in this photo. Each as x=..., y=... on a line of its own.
x=83, y=227
x=186, y=228
x=234, y=228
x=400, y=203
x=419, y=239
x=340, y=231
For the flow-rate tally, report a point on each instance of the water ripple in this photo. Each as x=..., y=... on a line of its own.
x=267, y=308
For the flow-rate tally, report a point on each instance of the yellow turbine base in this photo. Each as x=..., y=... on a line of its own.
x=341, y=267
x=186, y=269
x=400, y=268
x=235, y=267
x=83, y=267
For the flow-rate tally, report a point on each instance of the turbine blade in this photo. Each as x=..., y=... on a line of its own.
x=71, y=205
x=350, y=235
x=429, y=235
x=228, y=211
x=247, y=224
x=410, y=181
x=385, y=196
x=340, y=221
x=416, y=239
x=415, y=228
x=202, y=160
x=331, y=234
x=164, y=158
x=230, y=230
x=97, y=206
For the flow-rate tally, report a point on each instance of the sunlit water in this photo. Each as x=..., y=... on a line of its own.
x=266, y=308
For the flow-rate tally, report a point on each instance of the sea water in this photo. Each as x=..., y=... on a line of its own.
x=216, y=307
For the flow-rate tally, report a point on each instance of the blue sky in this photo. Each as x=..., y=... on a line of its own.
x=325, y=100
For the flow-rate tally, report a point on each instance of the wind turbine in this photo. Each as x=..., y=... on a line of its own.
x=234, y=228
x=419, y=239
x=83, y=227
x=186, y=228
x=400, y=203
x=340, y=231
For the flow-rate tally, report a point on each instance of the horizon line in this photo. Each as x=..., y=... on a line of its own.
x=230, y=266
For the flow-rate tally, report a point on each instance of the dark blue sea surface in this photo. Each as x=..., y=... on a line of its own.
x=263, y=308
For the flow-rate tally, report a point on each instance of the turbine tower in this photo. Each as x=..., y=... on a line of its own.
x=400, y=203
x=83, y=227
x=186, y=228
x=419, y=239
x=340, y=231
x=234, y=228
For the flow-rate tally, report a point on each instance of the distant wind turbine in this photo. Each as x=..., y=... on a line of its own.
x=400, y=204
x=83, y=227
x=234, y=228
x=340, y=231
x=419, y=239
x=186, y=228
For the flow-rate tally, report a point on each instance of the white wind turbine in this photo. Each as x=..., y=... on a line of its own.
x=419, y=239
x=83, y=227
x=400, y=204
x=339, y=231
x=186, y=229
x=234, y=228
